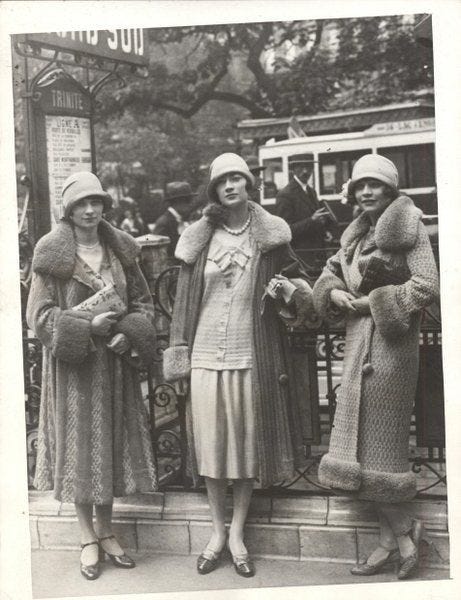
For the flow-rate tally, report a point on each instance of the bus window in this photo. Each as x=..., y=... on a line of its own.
x=336, y=168
x=415, y=164
x=273, y=177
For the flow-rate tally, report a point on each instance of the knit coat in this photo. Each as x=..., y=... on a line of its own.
x=278, y=410
x=368, y=453
x=93, y=438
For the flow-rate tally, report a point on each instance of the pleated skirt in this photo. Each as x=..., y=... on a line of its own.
x=224, y=424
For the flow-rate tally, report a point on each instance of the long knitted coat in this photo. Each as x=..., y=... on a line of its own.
x=368, y=453
x=279, y=416
x=93, y=439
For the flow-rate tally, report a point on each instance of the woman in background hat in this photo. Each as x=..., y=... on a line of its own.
x=243, y=417
x=93, y=440
x=381, y=278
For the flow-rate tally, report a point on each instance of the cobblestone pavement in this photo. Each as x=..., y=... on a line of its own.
x=55, y=573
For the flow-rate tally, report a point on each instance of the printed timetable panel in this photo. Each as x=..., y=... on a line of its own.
x=68, y=150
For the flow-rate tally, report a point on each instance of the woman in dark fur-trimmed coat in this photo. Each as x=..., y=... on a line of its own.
x=381, y=278
x=93, y=440
x=226, y=336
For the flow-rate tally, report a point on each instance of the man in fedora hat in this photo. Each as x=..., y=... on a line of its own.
x=174, y=220
x=298, y=204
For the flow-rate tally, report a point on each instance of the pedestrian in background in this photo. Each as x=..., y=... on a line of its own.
x=226, y=336
x=89, y=305
x=257, y=171
x=298, y=204
x=174, y=220
x=381, y=278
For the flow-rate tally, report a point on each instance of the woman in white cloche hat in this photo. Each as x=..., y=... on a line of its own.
x=381, y=278
x=244, y=421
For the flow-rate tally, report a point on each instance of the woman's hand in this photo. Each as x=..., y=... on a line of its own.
x=343, y=300
x=280, y=287
x=362, y=305
x=119, y=343
x=101, y=324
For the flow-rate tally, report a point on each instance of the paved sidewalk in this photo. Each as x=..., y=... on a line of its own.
x=55, y=573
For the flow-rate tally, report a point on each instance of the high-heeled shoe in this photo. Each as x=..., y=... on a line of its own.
x=367, y=568
x=243, y=564
x=90, y=571
x=409, y=564
x=123, y=561
x=208, y=560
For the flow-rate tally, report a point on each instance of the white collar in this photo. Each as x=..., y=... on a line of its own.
x=303, y=185
x=175, y=214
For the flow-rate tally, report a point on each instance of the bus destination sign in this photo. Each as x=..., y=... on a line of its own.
x=121, y=45
x=401, y=126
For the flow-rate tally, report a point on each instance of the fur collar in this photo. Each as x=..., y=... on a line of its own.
x=396, y=229
x=55, y=252
x=268, y=231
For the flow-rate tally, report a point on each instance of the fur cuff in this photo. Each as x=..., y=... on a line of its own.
x=387, y=487
x=176, y=363
x=321, y=293
x=141, y=334
x=390, y=320
x=339, y=474
x=71, y=339
x=304, y=303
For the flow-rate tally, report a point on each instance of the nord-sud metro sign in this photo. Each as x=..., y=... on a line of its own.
x=121, y=45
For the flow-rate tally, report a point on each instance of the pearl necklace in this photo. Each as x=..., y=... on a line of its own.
x=238, y=231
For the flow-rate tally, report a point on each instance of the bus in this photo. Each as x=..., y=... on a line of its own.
x=403, y=133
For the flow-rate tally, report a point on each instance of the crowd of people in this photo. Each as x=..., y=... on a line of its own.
x=239, y=278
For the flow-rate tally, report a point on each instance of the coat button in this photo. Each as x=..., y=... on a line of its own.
x=283, y=379
x=367, y=369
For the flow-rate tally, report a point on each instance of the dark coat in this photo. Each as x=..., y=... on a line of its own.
x=278, y=416
x=297, y=207
x=368, y=453
x=93, y=439
x=167, y=225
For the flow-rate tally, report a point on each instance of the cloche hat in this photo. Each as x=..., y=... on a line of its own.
x=373, y=166
x=227, y=163
x=81, y=185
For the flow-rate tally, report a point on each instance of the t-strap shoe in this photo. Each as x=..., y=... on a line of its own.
x=90, y=571
x=123, y=561
x=367, y=568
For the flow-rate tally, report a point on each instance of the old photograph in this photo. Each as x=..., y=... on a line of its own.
x=230, y=254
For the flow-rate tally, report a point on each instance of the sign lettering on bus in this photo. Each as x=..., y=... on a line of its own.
x=401, y=126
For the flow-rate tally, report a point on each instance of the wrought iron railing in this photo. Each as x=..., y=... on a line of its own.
x=166, y=404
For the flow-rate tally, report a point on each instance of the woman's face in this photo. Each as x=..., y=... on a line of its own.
x=87, y=213
x=371, y=195
x=231, y=190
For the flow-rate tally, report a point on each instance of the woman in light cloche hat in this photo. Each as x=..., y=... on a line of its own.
x=381, y=278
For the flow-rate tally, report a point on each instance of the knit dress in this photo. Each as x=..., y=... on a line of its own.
x=221, y=361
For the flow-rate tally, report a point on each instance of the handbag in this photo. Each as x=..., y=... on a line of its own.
x=380, y=272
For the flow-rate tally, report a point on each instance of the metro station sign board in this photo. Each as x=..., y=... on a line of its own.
x=121, y=45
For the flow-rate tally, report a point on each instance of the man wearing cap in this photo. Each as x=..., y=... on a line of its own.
x=174, y=220
x=298, y=204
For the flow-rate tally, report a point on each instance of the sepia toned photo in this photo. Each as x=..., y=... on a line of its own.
x=229, y=304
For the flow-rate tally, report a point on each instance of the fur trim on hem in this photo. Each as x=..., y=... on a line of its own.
x=339, y=474
x=141, y=335
x=391, y=321
x=387, y=487
x=72, y=336
x=176, y=363
x=321, y=294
